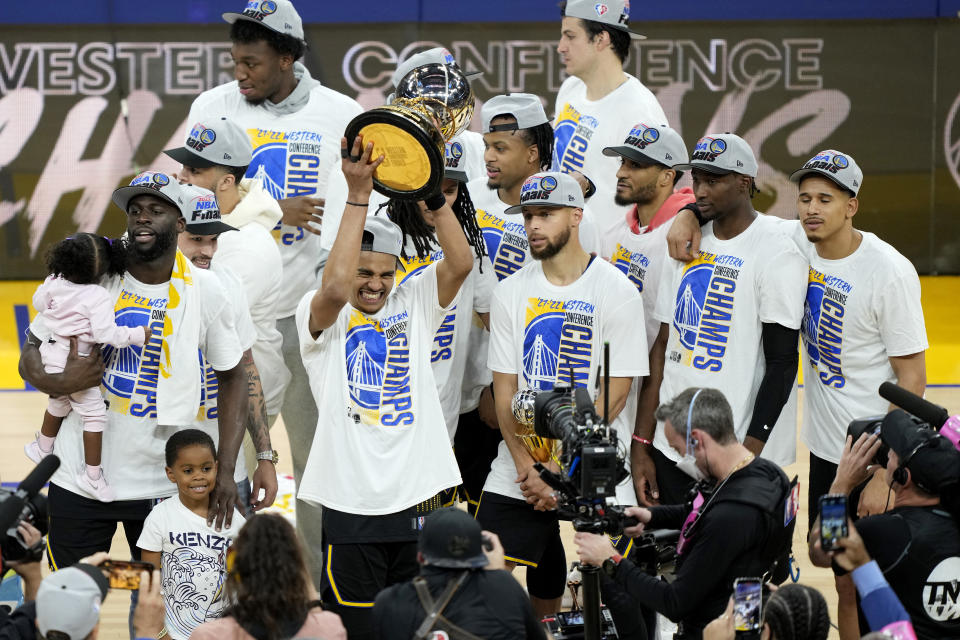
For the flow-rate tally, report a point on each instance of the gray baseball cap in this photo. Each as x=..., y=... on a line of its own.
x=276, y=15
x=213, y=142
x=651, y=145
x=839, y=167
x=152, y=183
x=722, y=153
x=525, y=107
x=69, y=600
x=549, y=189
x=437, y=55
x=202, y=212
x=381, y=235
x=456, y=161
x=612, y=13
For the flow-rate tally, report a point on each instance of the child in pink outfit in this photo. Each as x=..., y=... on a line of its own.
x=73, y=305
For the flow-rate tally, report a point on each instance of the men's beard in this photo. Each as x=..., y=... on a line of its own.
x=643, y=195
x=161, y=247
x=552, y=248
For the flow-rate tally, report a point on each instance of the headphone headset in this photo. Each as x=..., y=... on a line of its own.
x=900, y=473
x=690, y=438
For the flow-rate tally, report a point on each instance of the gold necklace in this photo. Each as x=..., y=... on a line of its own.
x=740, y=465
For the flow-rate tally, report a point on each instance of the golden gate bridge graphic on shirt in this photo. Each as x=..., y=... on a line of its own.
x=269, y=184
x=540, y=364
x=365, y=377
x=687, y=314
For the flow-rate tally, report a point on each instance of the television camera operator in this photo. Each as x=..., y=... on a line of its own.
x=735, y=527
x=917, y=543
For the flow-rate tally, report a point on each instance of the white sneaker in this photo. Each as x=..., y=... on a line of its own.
x=98, y=488
x=34, y=452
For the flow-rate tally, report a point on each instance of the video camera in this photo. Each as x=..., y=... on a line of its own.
x=25, y=504
x=922, y=412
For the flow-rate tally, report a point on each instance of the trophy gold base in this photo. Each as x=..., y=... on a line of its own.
x=411, y=145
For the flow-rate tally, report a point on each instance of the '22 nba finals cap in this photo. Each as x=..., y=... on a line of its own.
x=549, y=189
x=219, y=143
x=277, y=15
x=839, y=167
x=651, y=145
x=612, y=13
x=722, y=153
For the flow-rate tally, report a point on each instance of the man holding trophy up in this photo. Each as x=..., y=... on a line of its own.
x=548, y=323
x=381, y=454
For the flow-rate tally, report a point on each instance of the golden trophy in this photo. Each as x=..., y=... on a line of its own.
x=433, y=103
x=540, y=449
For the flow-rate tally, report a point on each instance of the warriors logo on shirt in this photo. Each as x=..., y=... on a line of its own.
x=703, y=310
x=132, y=372
x=557, y=342
x=443, y=340
x=506, y=243
x=288, y=164
x=572, y=132
x=822, y=327
x=378, y=370
x=633, y=264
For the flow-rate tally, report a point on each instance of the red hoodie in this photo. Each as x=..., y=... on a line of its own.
x=677, y=200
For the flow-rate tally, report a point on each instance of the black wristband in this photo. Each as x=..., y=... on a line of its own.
x=696, y=212
x=435, y=201
x=358, y=204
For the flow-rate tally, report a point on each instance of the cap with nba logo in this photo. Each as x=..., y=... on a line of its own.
x=152, y=183
x=276, y=15
x=211, y=143
x=202, y=212
x=612, y=13
x=722, y=153
x=839, y=167
x=437, y=55
x=549, y=189
x=456, y=161
x=526, y=108
x=651, y=145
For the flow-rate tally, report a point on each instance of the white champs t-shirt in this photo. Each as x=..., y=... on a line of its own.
x=640, y=257
x=582, y=128
x=859, y=311
x=294, y=154
x=133, y=442
x=716, y=306
x=540, y=332
x=450, y=345
x=381, y=443
x=192, y=564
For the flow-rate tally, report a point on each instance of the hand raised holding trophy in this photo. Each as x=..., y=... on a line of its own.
x=432, y=104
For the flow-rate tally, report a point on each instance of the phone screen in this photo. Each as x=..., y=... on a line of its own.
x=570, y=617
x=126, y=575
x=747, y=594
x=833, y=520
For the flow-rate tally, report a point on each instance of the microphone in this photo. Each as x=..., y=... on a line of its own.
x=932, y=414
x=12, y=507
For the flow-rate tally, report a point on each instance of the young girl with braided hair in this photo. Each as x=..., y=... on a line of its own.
x=792, y=612
x=73, y=305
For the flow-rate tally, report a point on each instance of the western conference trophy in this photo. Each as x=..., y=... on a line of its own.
x=540, y=449
x=433, y=103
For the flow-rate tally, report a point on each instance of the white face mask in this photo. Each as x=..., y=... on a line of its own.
x=688, y=463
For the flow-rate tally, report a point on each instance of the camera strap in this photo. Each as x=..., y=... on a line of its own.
x=434, y=609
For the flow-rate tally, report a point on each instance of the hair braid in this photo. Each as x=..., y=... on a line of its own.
x=797, y=612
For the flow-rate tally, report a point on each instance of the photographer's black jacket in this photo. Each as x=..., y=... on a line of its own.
x=741, y=533
x=490, y=604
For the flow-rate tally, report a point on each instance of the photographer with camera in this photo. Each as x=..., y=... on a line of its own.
x=461, y=590
x=735, y=527
x=917, y=543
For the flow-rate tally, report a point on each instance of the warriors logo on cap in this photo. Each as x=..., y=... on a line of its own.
x=841, y=161
x=548, y=183
x=717, y=146
x=260, y=10
x=150, y=179
x=839, y=167
x=200, y=137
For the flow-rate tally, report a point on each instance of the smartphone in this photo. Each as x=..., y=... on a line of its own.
x=747, y=597
x=126, y=575
x=833, y=520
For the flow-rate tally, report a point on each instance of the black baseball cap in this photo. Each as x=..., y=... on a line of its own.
x=933, y=461
x=452, y=539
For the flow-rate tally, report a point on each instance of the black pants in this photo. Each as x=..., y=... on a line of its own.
x=822, y=473
x=674, y=485
x=475, y=446
x=80, y=526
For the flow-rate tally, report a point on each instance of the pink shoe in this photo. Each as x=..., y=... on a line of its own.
x=98, y=488
x=34, y=452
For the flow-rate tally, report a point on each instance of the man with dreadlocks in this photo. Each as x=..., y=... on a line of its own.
x=421, y=249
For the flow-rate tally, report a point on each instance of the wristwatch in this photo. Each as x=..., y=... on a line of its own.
x=269, y=454
x=610, y=565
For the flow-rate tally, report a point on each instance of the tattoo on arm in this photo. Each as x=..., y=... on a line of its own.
x=257, y=425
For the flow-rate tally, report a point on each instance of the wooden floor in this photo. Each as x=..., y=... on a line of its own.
x=22, y=413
